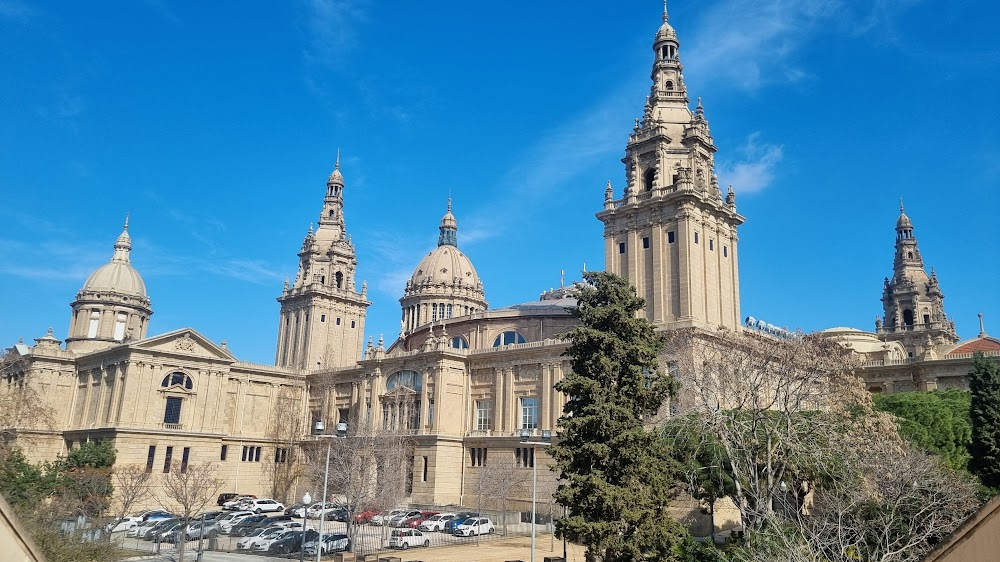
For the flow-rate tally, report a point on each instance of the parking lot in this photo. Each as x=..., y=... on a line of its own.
x=373, y=539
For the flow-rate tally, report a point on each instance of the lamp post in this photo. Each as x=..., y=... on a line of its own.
x=306, y=499
x=546, y=440
x=318, y=428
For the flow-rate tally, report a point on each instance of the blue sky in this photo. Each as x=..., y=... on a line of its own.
x=215, y=124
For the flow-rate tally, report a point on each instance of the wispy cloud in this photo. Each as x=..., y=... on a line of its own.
x=752, y=43
x=753, y=167
x=330, y=25
x=16, y=10
x=64, y=112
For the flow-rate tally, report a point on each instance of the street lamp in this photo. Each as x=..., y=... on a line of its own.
x=318, y=428
x=546, y=440
x=306, y=500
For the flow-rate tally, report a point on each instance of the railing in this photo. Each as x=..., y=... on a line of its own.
x=173, y=426
x=268, y=368
x=516, y=346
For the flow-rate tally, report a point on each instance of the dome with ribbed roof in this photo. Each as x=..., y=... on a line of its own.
x=118, y=275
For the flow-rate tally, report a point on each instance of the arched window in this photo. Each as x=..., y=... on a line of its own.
x=407, y=379
x=508, y=338
x=670, y=85
x=339, y=279
x=647, y=181
x=908, y=317
x=177, y=379
x=458, y=342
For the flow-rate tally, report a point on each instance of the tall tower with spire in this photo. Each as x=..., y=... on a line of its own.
x=112, y=307
x=672, y=233
x=912, y=302
x=322, y=315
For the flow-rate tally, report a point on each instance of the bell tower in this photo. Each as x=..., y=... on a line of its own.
x=912, y=302
x=672, y=233
x=322, y=315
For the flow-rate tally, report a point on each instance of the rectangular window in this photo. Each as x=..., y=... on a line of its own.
x=150, y=457
x=256, y=456
x=621, y=247
x=120, y=326
x=670, y=237
x=695, y=237
x=430, y=412
x=245, y=451
x=172, y=414
x=95, y=321
x=525, y=457
x=711, y=245
x=645, y=242
x=448, y=312
x=352, y=323
x=725, y=251
x=280, y=455
x=478, y=456
x=322, y=317
x=225, y=450
x=184, y=459
x=484, y=415
x=168, y=459
x=425, y=469
x=338, y=321
x=529, y=413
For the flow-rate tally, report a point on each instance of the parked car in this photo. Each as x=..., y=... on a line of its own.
x=151, y=533
x=292, y=542
x=436, y=522
x=397, y=520
x=169, y=532
x=245, y=525
x=275, y=521
x=193, y=530
x=365, y=516
x=248, y=540
x=264, y=543
x=141, y=528
x=330, y=543
x=264, y=505
x=475, y=526
x=119, y=525
x=157, y=514
x=226, y=522
x=316, y=509
x=405, y=538
x=449, y=526
x=383, y=518
x=296, y=509
x=234, y=503
x=415, y=521
x=227, y=496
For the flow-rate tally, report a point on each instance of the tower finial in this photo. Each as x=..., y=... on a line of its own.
x=901, y=205
x=665, y=16
x=337, y=165
x=449, y=202
x=982, y=327
x=126, y=219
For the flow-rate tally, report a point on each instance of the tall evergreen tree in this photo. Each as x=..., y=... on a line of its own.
x=616, y=472
x=984, y=385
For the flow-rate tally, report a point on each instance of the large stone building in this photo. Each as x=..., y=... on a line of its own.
x=464, y=379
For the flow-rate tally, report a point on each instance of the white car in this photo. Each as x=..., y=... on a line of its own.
x=436, y=522
x=264, y=505
x=226, y=522
x=317, y=509
x=405, y=538
x=384, y=517
x=140, y=529
x=234, y=503
x=333, y=542
x=248, y=542
x=475, y=526
x=264, y=542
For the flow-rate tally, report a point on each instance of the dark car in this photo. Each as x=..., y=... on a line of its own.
x=246, y=526
x=293, y=507
x=449, y=527
x=223, y=498
x=265, y=522
x=292, y=543
x=336, y=514
x=272, y=519
x=154, y=531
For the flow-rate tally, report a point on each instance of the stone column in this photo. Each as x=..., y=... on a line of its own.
x=545, y=402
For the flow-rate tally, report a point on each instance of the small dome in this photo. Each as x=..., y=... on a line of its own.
x=666, y=33
x=445, y=265
x=904, y=221
x=335, y=176
x=118, y=276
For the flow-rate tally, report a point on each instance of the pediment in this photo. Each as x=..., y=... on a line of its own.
x=183, y=342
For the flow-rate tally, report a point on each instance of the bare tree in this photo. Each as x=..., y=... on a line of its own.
x=188, y=492
x=284, y=431
x=370, y=469
x=501, y=480
x=22, y=405
x=132, y=487
x=772, y=406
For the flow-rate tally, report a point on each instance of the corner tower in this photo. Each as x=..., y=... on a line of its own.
x=444, y=284
x=112, y=307
x=322, y=316
x=672, y=233
x=912, y=302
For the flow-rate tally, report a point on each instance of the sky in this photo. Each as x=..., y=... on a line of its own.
x=215, y=126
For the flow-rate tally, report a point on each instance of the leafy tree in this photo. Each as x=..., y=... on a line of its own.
x=984, y=385
x=703, y=462
x=936, y=421
x=617, y=474
x=24, y=484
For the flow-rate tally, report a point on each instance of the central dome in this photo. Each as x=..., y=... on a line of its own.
x=444, y=265
x=118, y=276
